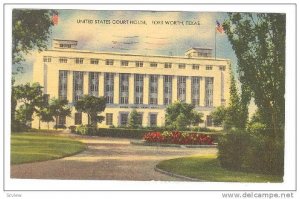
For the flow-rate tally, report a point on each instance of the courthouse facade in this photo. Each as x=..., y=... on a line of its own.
x=147, y=83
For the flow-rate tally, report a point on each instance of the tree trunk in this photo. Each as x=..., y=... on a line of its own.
x=39, y=123
x=56, y=122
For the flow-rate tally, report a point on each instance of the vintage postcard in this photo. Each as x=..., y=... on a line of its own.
x=114, y=95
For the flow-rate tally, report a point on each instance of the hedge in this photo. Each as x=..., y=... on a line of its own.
x=128, y=133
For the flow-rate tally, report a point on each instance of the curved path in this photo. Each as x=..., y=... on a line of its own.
x=107, y=159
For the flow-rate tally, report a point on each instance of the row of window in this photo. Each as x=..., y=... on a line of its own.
x=123, y=120
x=110, y=62
x=109, y=85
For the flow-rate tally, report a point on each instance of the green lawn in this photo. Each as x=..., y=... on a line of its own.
x=33, y=147
x=208, y=168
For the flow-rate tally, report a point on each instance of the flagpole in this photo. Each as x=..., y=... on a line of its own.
x=215, y=43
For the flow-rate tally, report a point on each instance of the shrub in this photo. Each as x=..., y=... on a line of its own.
x=73, y=129
x=86, y=130
x=265, y=155
x=82, y=130
x=256, y=128
x=232, y=149
x=203, y=129
x=120, y=132
x=253, y=152
x=60, y=126
x=18, y=126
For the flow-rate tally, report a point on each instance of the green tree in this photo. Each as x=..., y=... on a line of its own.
x=92, y=106
x=197, y=118
x=258, y=40
x=24, y=114
x=237, y=112
x=59, y=108
x=29, y=98
x=180, y=115
x=30, y=30
x=46, y=115
x=14, y=102
x=135, y=119
x=219, y=115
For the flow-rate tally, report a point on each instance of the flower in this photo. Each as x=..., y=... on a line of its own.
x=177, y=137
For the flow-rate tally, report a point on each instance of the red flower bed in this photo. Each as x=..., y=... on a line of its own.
x=176, y=137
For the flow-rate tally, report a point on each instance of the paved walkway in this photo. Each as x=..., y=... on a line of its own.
x=107, y=159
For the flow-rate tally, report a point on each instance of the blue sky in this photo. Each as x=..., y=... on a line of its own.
x=147, y=39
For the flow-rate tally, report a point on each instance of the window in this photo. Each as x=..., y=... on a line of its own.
x=153, y=64
x=209, y=83
x=124, y=100
x=153, y=120
x=78, y=118
x=109, y=99
x=78, y=60
x=63, y=60
x=65, y=45
x=61, y=120
x=77, y=85
x=95, y=61
x=124, y=63
x=195, y=91
x=124, y=86
x=153, y=100
x=181, y=66
x=195, y=66
x=140, y=119
x=47, y=59
x=209, y=67
x=153, y=87
x=167, y=89
x=62, y=84
x=201, y=54
x=109, y=119
x=124, y=119
x=139, y=87
x=181, y=86
x=109, y=62
x=139, y=64
x=209, y=120
x=109, y=87
x=168, y=65
x=222, y=68
x=94, y=84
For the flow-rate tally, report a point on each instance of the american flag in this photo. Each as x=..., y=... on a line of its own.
x=55, y=17
x=219, y=27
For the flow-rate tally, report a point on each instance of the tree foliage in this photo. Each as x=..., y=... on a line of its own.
x=236, y=114
x=219, y=115
x=135, y=119
x=46, y=115
x=59, y=108
x=26, y=100
x=258, y=40
x=92, y=106
x=237, y=111
x=30, y=30
x=259, y=43
x=180, y=115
